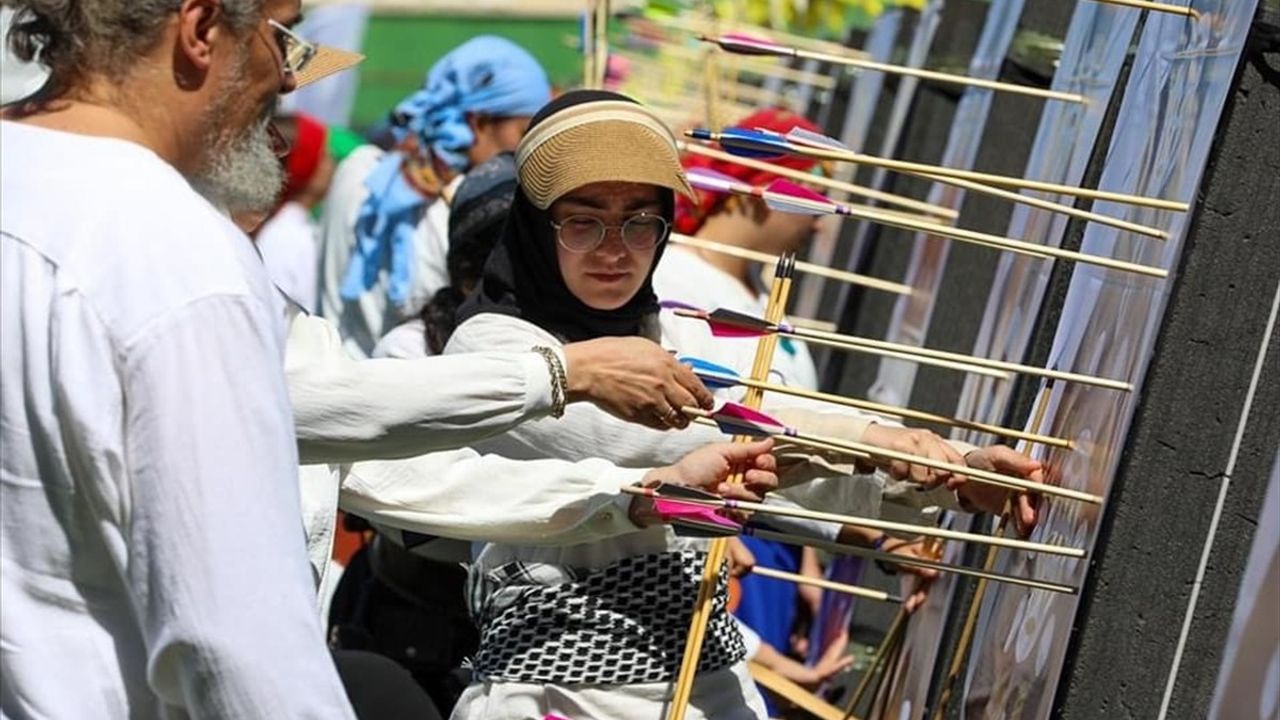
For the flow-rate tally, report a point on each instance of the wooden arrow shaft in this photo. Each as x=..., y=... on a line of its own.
x=876, y=524
x=844, y=549
x=856, y=342
x=1002, y=243
x=1053, y=207
x=942, y=174
x=974, y=474
x=925, y=208
x=855, y=590
x=936, y=76
x=804, y=267
x=894, y=411
x=1157, y=7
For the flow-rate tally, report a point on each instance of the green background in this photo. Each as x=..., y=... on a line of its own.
x=401, y=48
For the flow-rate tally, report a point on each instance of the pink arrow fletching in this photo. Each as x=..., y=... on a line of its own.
x=786, y=187
x=730, y=331
x=749, y=45
x=675, y=510
x=712, y=180
x=782, y=196
x=735, y=415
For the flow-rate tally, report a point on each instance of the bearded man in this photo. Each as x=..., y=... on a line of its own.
x=152, y=562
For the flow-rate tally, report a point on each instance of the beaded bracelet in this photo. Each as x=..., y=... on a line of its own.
x=559, y=380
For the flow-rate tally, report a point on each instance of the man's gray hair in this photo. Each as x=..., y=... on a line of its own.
x=71, y=37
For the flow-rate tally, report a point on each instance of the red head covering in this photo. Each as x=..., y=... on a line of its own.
x=690, y=216
x=309, y=146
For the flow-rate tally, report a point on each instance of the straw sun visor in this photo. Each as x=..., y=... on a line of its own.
x=327, y=61
x=597, y=142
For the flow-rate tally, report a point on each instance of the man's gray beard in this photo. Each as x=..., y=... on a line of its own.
x=244, y=175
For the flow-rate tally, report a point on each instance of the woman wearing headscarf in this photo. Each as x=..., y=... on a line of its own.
x=385, y=231
x=597, y=629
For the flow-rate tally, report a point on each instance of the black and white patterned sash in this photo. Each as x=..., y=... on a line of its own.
x=624, y=624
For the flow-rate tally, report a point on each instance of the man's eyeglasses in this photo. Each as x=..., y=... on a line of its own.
x=295, y=51
x=584, y=233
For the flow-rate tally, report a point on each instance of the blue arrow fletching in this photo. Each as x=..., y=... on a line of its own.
x=754, y=143
x=714, y=376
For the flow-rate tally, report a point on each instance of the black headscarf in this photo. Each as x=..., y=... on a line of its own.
x=522, y=276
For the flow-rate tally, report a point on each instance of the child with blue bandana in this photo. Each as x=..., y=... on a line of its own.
x=384, y=235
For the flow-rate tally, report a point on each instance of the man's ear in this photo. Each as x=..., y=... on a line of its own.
x=199, y=26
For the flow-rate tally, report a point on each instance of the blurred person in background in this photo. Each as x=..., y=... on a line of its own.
x=384, y=233
x=475, y=222
x=288, y=239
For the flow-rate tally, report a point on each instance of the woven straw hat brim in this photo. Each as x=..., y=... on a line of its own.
x=604, y=151
x=327, y=61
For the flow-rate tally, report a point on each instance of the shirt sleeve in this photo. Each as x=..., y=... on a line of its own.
x=215, y=558
x=349, y=410
x=466, y=496
x=584, y=431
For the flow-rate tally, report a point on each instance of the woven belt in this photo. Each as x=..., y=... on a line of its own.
x=624, y=624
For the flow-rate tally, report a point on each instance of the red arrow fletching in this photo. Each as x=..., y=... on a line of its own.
x=788, y=197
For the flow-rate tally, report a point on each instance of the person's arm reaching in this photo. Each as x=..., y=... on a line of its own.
x=489, y=498
x=350, y=410
x=216, y=562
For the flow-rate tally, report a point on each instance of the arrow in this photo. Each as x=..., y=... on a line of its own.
x=747, y=45
x=719, y=377
x=788, y=197
x=800, y=136
x=927, y=209
x=855, y=590
x=757, y=142
x=728, y=323
x=805, y=267
x=734, y=419
x=731, y=324
x=885, y=525
x=1157, y=7
x=900, y=560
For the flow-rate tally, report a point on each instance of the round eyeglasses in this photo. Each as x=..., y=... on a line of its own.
x=584, y=233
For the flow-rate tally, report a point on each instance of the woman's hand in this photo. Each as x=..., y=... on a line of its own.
x=633, y=379
x=992, y=499
x=709, y=469
x=916, y=442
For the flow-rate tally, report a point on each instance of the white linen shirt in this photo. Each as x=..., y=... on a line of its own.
x=152, y=563
x=382, y=440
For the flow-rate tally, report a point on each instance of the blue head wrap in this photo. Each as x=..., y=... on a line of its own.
x=487, y=75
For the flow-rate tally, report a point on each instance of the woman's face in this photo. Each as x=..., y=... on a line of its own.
x=607, y=277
